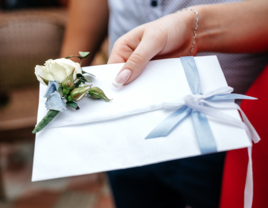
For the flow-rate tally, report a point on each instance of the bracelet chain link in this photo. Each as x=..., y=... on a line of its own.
x=195, y=28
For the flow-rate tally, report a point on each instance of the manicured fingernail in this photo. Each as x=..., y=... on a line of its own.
x=122, y=77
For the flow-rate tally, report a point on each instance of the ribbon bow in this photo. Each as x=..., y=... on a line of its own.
x=199, y=105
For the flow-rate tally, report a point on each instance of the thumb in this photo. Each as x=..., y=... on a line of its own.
x=137, y=61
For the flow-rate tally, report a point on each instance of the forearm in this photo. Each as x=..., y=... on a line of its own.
x=233, y=28
x=86, y=27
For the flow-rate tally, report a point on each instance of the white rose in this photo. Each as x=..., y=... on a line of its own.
x=57, y=69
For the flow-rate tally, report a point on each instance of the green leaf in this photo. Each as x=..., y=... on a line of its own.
x=73, y=56
x=82, y=78
x=78, y=75
x=45, y=121
x=88, y=80
x=73, y=105
x=84, y=72
x=77, y=83
x=83, y=54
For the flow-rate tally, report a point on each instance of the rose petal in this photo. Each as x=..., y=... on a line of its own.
x=66, y=63
x=69, y=65
x=58, y=71
x=43, y=72
x=49, y=61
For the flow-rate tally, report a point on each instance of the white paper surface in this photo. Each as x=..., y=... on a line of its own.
x=74, y=145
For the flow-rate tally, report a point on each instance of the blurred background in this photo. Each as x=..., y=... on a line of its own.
x=31, y=31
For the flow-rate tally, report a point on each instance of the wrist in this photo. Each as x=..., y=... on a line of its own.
x=191, y=18
x=210, y=28
x=200, y=32
x=194, y=29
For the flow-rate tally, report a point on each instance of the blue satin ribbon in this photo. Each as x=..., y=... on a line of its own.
x=203, y=131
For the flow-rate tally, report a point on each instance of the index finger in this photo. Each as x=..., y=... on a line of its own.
x=125, y=46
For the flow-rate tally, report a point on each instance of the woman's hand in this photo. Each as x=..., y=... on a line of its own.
x=221, y=28
x=168, y=37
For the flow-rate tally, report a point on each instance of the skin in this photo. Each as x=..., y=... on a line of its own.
x=86, y=28
x=230, y=28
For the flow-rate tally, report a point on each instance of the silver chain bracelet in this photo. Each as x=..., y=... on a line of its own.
x=196, y=25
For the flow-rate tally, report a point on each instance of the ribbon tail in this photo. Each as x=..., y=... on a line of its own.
x=167, y=125
x=203, y=132
x=248, y=194
x=254, y=135
x=232, y=96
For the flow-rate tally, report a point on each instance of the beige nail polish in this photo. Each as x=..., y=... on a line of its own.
x=122, y=77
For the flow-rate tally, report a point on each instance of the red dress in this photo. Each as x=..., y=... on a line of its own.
x=235, y=168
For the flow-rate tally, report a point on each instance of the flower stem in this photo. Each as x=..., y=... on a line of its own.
x=74, y=56
x=49, y=117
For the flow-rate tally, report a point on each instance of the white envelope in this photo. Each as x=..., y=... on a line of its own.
x=93, y=140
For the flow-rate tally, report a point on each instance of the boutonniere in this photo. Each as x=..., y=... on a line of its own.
x=66, y=85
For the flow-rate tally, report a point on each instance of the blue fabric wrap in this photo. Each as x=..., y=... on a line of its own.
x=203, y=131
x=54, y=100
x=52, y=87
